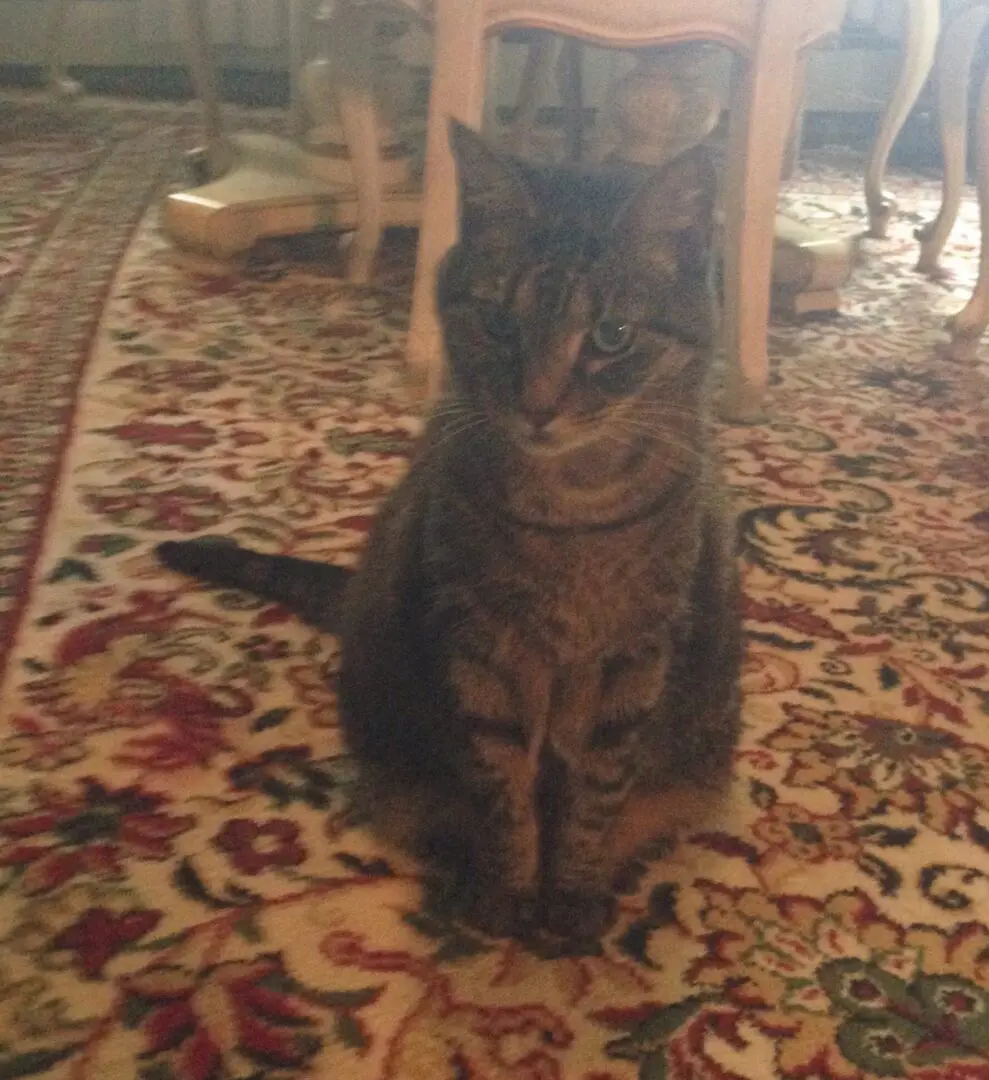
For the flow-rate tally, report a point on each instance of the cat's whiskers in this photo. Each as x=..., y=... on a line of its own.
x=469, y=420
x=661, y=436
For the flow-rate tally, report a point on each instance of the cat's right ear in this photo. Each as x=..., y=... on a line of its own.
x=493, y=187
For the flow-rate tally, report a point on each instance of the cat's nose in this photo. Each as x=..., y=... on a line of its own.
x=539, y=419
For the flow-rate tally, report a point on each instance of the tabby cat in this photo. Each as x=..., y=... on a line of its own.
x=540, y=651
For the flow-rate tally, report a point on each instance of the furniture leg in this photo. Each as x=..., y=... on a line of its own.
x=354, y=62
x=923, y=25
x=956, y=55
x=298, y=23
x=572, y=94
x=214, y=159
x=794, y=142
x=458, y=92
x=532, y=90
x=59, y=81
x=762, y=111
x=968, y=326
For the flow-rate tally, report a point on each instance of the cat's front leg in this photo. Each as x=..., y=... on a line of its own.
x=579, y=902
x=496, y=709
x=596, y=733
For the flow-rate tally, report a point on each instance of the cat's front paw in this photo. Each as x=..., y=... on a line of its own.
x=579, y=916
x=500, y=912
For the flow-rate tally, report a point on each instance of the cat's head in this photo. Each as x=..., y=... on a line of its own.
x=576, y=305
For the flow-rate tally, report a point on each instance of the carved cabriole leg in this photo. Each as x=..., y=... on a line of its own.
x=968, y=326
x=61, y=84
x=457, y=91
x=923, y=24
x=956, y=54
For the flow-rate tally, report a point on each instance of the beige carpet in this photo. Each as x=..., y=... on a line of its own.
x=182, y=893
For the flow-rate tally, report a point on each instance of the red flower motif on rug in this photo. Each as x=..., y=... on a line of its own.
x=253, y=848
x=100, y=934
x=218, y=1021
x=94, y=831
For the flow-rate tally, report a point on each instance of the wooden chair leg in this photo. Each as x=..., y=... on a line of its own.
x=763, y=96
x=968, y=326
x=794, y=142
x=571, y=80
x=298, y=26
x=59, y=81
x=458, y=92
x=956, y=56
x=214, y=159
x=354, y=69
x=923, y=26
x=532, y=90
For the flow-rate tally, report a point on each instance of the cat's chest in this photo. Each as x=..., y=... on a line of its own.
x=590, y=596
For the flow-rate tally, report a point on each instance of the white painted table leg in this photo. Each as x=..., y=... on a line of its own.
x=968, y=326
x=923, y=27
x=60, y=83
x=956, y=54
x=457, y=91
x=763, y=99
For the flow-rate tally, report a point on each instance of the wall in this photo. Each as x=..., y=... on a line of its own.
x=250, y=34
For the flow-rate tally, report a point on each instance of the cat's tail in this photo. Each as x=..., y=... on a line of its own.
x=310, y=589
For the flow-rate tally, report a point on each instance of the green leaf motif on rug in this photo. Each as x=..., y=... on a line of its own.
x=105, y=545
x=881, y=1044
x=270, y=719
x=347, y=443
x=647, y=1042
x=349, y=1031
x=895, y=1027
x=35, y=1062
x=72, y=568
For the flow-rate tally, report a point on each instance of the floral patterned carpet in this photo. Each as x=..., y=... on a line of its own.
x=184, y=894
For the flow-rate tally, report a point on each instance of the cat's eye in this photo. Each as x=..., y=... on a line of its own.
x=612, y=336
x=499, y=322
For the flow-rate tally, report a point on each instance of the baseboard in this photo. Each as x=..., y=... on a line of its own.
x=241, y=86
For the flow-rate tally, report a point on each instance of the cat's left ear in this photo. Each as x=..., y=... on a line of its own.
x=494, y=190
x=677, y=202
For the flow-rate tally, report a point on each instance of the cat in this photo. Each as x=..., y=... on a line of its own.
x=540, y=650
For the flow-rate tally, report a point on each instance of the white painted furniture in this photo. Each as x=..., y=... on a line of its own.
x=256, y=185
x=957, y=52
x=922, y=26
x=769, y=37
